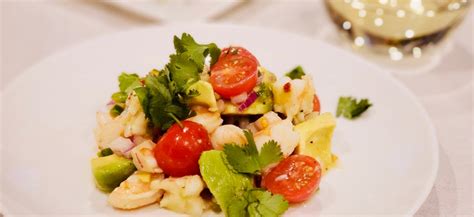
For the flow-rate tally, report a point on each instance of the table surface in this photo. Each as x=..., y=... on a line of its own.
x=32, y=30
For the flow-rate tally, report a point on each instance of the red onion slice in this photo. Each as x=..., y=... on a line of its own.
x=137, y=140
x=248, y=102
x=122, y=146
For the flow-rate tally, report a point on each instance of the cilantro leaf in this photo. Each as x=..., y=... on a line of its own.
x=251, y=147
x=252, y=210
x=270, y=153
x=194, y=51
x=266, y=204
x=128, y=82
x=161, y=107
x=158, y=88
x=237, y=207
x=241, y=159
x=119, y=97
x=257, y=203
x=178, y=110
x=142, y=94
x=184, y=66
x=156, y=108
x=182, y=71
x=296, y=73
x=350, y=108
x=247, y=159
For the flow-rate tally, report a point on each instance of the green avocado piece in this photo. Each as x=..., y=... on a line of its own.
x=206, y=95
x=222, y=181
x=268, y=77
x=110, y=171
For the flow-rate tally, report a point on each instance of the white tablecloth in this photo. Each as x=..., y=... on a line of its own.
x=32, y=30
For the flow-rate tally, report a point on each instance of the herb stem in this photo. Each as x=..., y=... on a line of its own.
x=176, y=119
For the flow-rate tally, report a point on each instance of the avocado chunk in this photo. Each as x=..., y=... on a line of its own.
x=222, y=181
x=315, y=139
x=268, y=77
x=206, y=95
x=110, y=171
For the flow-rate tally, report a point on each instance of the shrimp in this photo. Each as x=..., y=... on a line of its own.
x=266, y=120
x=227, y=134
x=131, y=122
x=183, y=195
x=133, y=117
x=210, y=120
x=294, y=98
x=144, y=159
x=140, y=189
x=279, y=130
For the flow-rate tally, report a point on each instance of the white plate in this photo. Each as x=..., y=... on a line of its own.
x=388, y=157
x=177, y=10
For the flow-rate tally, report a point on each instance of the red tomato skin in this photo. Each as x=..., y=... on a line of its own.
x=178, y=150
x=316, y=104
x=240, y=51
x=234, y=73
x=295, y=177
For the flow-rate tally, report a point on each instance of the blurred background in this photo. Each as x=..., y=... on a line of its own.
x=426, y=44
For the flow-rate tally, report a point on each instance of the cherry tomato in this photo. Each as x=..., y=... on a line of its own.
x=234, y=72
x=238, y=50
x=178, y=150
x=316, y=105
x=295, y=177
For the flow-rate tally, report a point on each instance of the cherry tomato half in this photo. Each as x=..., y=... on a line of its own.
x=316, y=104
x=240, y=51
x=295, y=177
x=234, y=72
x=178, y=151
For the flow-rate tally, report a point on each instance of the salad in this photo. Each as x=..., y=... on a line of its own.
x=213, y=130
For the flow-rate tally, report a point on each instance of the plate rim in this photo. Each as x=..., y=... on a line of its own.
x=9, y=87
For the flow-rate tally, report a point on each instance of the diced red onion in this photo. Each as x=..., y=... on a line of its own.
x=137, y=140
x=248, y=102
x=111, y=102
x=122, y=146
x=127, y=151
x=239, y=98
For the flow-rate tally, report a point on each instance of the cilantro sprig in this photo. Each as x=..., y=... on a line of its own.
x=350, y=107
x=127, y=83
x=162, y=93
x=186, y=46
x=257, y=202
x=254, y=202
x=247, y=159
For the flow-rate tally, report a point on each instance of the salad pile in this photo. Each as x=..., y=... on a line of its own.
x=214, y=130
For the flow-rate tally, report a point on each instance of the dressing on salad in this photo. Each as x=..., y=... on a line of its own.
x=213, y=130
